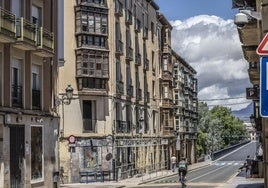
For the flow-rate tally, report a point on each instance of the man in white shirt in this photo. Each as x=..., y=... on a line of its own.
x=173, y=162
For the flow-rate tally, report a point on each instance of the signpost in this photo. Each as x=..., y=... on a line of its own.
x=262, y=50
x=264, y=87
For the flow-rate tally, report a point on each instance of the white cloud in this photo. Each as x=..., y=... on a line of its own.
x=212, y=47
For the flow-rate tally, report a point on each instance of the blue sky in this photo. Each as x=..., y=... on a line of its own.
x=183, y=9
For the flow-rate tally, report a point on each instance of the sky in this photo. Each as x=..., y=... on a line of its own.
x=205, y=35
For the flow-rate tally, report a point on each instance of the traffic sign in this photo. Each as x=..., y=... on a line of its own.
x=264, y=87
x=263, y=46
x=71, y=140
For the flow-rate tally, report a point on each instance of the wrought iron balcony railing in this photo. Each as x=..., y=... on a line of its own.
x=36, y=99
x=16, y=95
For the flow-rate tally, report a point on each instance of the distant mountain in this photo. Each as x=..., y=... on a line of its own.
x=244, y=113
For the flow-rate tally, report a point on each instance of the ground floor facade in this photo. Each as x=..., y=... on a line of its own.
x=28, y=150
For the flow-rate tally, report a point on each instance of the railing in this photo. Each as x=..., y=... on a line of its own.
x=89, y=125
x=45, y=39
x=17, y=95
x=120, y=87
x=36, y=100
x=7, y=23
x=26, y=31
x=220, y=153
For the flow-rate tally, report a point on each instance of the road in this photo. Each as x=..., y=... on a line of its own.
x=213, y=175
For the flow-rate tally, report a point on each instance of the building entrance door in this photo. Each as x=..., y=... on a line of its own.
x=17, y=156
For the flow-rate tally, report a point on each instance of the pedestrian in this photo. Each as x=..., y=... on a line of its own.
x=173, y=162
x=248, y=166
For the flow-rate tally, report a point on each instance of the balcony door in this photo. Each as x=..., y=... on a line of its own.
x=16, y=79
x=16, y=8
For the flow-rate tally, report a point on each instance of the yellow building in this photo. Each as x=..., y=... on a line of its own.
x=121, y=115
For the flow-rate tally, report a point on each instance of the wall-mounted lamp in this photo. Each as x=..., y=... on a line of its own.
x=65, y=97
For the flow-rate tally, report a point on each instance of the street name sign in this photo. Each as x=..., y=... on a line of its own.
x=264, y=87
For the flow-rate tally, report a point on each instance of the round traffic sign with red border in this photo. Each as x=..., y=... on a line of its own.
x=71, y=139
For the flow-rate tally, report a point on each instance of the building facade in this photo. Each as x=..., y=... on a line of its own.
x=250, y=36
x=28, y=70
x=185, y=109
x=118, y=59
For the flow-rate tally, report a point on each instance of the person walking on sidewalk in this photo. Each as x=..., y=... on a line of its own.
x=248, y=166
x=173, y=162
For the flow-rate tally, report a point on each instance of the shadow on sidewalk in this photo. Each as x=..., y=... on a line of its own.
x=255, y=185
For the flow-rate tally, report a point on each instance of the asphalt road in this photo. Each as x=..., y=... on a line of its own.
x=213, y=175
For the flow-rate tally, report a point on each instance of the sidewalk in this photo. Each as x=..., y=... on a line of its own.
x=135, y=180
x=238, y=181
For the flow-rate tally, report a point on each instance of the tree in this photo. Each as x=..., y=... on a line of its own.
x=217, y=129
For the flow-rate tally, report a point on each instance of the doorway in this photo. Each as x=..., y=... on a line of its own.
x=17, y=156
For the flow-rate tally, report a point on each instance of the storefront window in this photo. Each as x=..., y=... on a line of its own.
x=36, y=152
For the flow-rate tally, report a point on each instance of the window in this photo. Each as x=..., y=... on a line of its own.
x=118, y=71
x=165, y=64
x=16, y=83
x=92, y=21
x=128, y=75
x=153, y=86
x=37, y=157
x=36, y=95
x=152, y=31
x=89, y=116
x=93, y=65
x=153, y=63
x=16, y=7
x=37, y=15
x=166, y=92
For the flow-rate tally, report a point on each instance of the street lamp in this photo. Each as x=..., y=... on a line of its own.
x=65, y=97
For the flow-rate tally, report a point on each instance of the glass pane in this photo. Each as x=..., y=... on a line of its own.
x=36, y=153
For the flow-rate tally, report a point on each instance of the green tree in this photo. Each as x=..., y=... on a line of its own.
x=217, y=129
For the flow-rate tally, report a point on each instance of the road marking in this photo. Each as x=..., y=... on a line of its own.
x=207, y=173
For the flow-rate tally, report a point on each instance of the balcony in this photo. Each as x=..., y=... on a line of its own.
x=250, y=53
x=45, y=43
x=254, y=73
x=137, y=25
x=89, y=125
x=146, y=64
x=129, y=54
x=118, y=8
x=167, y=49
x=249, y=35
x=120, y=87
x=26, y=33
x=145, y=33
x=119, y=47
x=128, y=17
x=138, y=59
x=16, y=96
x=7, y=26
x=36, y=99
x=122, y=126
x=130, y=90
x=138, y=94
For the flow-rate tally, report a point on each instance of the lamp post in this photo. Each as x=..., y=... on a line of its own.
x=66, y=99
